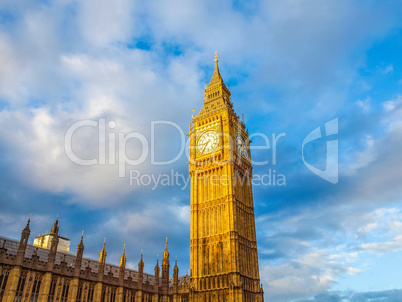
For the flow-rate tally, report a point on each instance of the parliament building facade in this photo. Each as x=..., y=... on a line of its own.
x=223, y=245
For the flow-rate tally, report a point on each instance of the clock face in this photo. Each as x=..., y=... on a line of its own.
x=208, y=142
x=241, y=145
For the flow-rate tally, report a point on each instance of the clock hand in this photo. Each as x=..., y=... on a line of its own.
x=205, y=145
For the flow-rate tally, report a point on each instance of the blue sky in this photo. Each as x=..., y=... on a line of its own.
x=291, y=65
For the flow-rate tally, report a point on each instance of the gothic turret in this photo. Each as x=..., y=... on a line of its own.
x=23, y=243
x=102, y=261
x=140, y=272
x=157, y=270
x=78, y=258
x=55, y=227
x=123, y=260
x=166, y=252
x=53, y=246
x=141, y=266
x=175, y=277
x=102, y=254
x=80, y=246
x=165, y=269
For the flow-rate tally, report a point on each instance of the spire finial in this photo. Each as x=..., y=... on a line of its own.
x=123, y=258
x=141, y=263
x=102, y=255
x=81, y=244
x=216, y=57
x=166, y=253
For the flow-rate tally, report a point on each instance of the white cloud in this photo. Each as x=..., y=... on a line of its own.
x=302, y=277
x=353, y=271
x=364, y=104
x=126, y=88
x=70, y=60
x=10, y=71
x=387, y=69
x=360, y=158
x=393, y=104
x=336, y=239
x=384, y=247
x=393, y=118
x=103, y=22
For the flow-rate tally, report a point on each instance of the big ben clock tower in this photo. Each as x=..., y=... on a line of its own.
x=224, y=260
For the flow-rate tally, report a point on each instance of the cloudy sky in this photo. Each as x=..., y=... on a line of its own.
x=132, y=71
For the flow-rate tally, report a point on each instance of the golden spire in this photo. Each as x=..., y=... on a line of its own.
x=81, y=244
x=102, y=256
x=123, y=258
x=141, y=260
x=216, y=77
x=141, y=265
x=166, y=253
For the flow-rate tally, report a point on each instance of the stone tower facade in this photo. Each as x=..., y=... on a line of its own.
x=224, y=261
